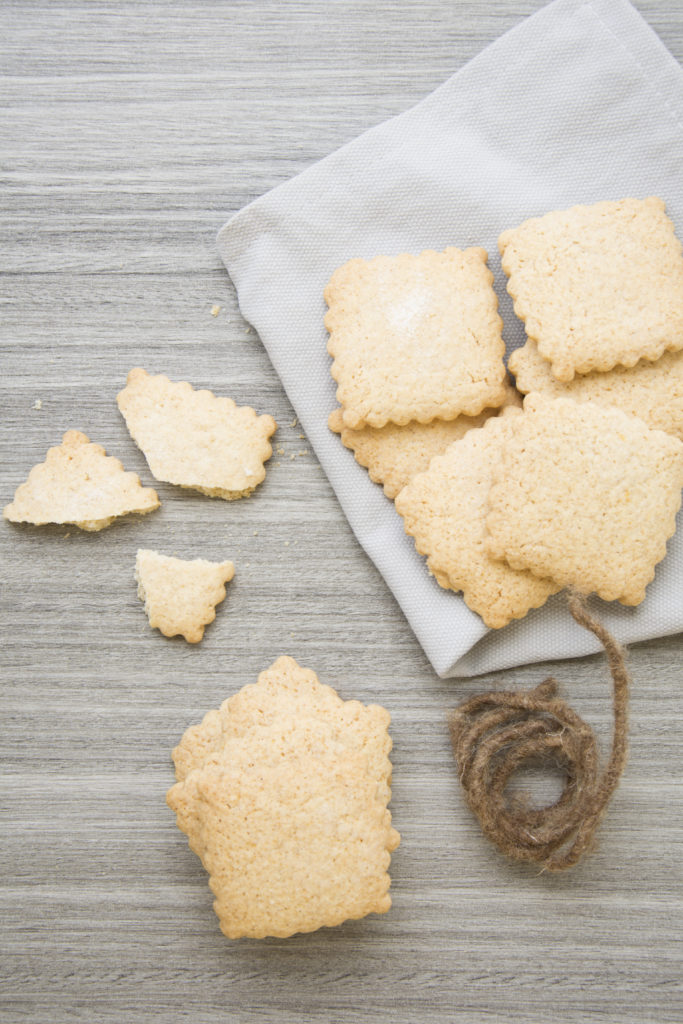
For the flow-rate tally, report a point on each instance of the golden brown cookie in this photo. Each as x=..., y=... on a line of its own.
x=444, y=509
x=415, y=337
x=586, y=495
x=597, y=286
x=81, y=485
x=180, y=595
x=195, y=439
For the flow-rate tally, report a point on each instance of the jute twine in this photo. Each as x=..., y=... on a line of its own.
x=496, y=734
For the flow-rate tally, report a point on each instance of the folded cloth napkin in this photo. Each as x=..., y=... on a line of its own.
x=580, y=102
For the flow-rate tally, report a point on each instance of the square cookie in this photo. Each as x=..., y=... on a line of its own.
x=597, y=286
x=415, y=337
x=445, y=508
x=586, y=495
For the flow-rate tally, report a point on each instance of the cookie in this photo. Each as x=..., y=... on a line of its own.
x=283, y=794
x=415, y=337
x=586, y=495
x=651, y=390
x=195, y=439
x=597, y=286
x=81, y=485
x=180, y=596
x=393, y=455
x=444, y=509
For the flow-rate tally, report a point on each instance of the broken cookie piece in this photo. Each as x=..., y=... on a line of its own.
x=180, y=596
x=81, y=485
x=195, y=439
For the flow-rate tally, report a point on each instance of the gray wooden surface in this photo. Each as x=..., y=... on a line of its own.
x=131, y=130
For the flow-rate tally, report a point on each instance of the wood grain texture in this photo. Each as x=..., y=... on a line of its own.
x=131, y=130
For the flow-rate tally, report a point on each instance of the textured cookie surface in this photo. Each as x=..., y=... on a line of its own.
x=651, y=390
x=79, y=484
x=393, y=455
x=445, y=509
x=597, y=286
x=194, y=438
x=586, y=495
x=180, y=595
x=283, y=793
x=415, y=337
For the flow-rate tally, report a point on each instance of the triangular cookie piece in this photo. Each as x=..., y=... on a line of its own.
x=180, y=596
x=195, y=439
x=81, y=485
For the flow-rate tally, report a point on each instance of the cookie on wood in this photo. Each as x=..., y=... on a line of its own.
x=194, y=438
x=80, y=485
x=415, y=337
x=597, y=286
x=283, y=793
x=180, y=595
x=586, y=495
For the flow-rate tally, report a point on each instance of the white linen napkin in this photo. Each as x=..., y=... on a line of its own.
x=580, y=102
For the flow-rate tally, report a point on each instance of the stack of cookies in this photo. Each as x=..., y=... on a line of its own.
x=579, y=488
x=283, y=794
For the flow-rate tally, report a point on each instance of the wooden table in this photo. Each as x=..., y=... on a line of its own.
x=131, y=131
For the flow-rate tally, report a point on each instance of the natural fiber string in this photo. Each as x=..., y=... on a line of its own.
x=495, y=734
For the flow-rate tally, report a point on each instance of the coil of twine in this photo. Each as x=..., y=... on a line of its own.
x=495, y=734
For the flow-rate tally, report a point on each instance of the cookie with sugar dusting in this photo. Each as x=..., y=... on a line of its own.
x=444, y=509
x=587, y=495
x=195, y=439
x=80, y=485
x=393, y=455
x=180, y=595
x=597, y=286
x=286, y=805
x=651, y=390
x=415, y=337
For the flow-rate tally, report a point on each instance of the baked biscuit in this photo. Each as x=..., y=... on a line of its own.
x=444, y=509
x=180, y=595
x=393, y=455
x=415, y=337
x=283, y=794
x=586, y=495
x=81, y=485
x=597, y=286
x=651, y=390
x=194, y=439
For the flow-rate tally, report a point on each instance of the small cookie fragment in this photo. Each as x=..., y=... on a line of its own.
x=180, y=595
x=651, y=390
x=283, y=794
x=444, y=509
x=586, y=495
x=81, y=485
x=393, y=455
x=195, y=439
x=415, y=337
x=597, y=286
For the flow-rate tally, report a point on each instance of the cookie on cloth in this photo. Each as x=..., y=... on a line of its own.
x=597, y=286
x=180, y=595
x=80, y=485
x=287, y=805
x=651, y=390
x=194, y=438
x=444, y=509
x=393, y=455
x=415, y=337
x=586, y=495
